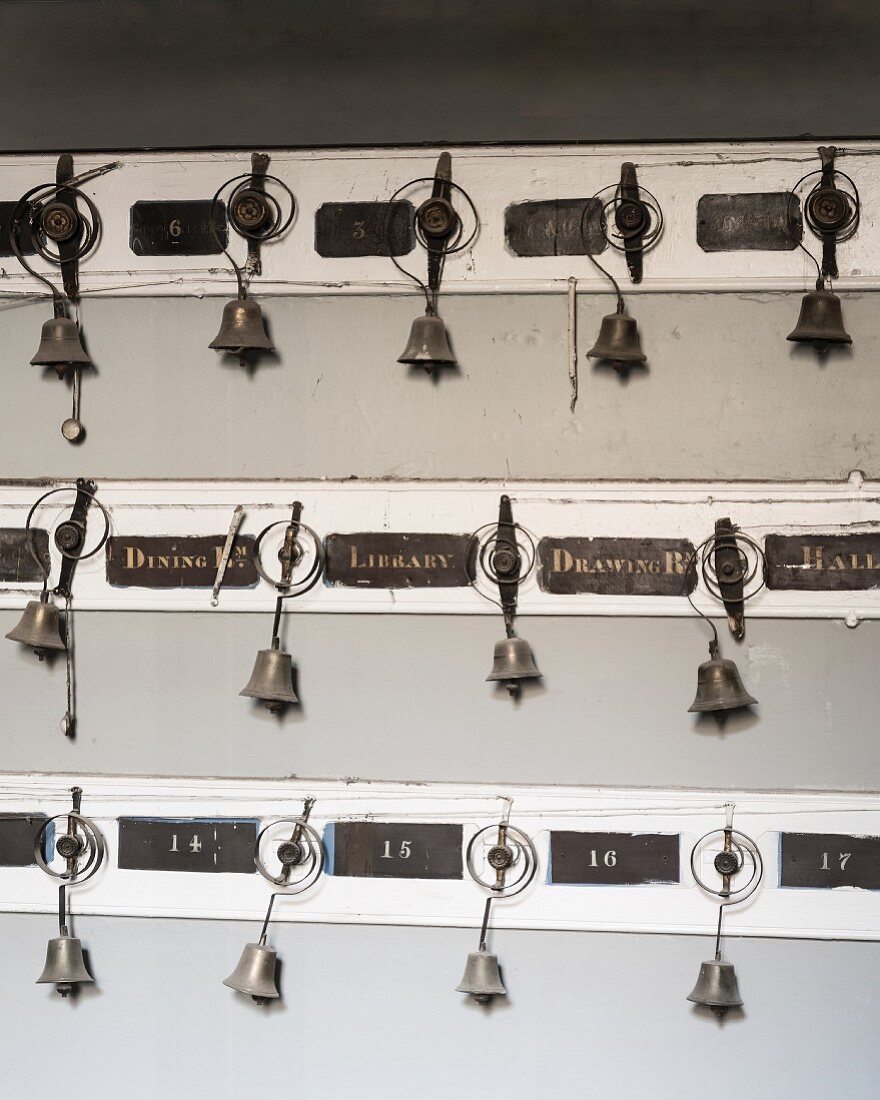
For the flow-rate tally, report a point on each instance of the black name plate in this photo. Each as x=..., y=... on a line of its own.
x=763, y=222
x=17, y=565
x=364, y=229
x=823, y=562
x=24, y=236
x=191, y=844
x=553, y=228
x=17, y=835
x=180, y=228
x=822, y=861
x=614, y=859
x=373, y=849
x=621, y=567
x=382, y=559
x=178, y=561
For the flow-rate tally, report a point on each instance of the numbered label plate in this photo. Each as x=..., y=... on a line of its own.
x=17, y=833
x=822, y=861
x=613, y=859
x=553, y=228
x=17, y=565
x=372, y=849
x=364, y=229
x=27, y=245
x=191, y=844
x=768, y=221
x=181, y=228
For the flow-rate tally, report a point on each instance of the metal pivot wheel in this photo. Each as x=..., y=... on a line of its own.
x=81, y=847
x=299, y=853
x=513, y=851
x=288, y=583
x=255, y=215
x=739, y=852
x=69, y=534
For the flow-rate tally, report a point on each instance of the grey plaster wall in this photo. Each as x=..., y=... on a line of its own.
x=724, y=396
x=370, y=1013
x=404, y=697
x=135, y=73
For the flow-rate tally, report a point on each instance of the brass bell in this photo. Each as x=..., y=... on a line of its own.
x=39, y=627
x=65, y=965
x=60, y=346
x=719, y=687
x=255, y=973
x=716, y=987
x=242, y=328
x=618, y=341
x=428, y=344
x=513, y=662
x=482, y=977
x=821, y=321
x=272, y=680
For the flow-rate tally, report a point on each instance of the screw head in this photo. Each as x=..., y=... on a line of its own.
x=500, y=857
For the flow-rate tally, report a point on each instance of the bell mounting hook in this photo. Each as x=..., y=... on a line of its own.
x=70, y=541
x=737, y=851
x=636, y=217
x=831, y=211
x=734, y=569
x=254, y=213
x=438, y=227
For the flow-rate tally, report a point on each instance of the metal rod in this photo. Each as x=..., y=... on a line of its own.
x=718, y=934
x=485, y=927
x=266, y=920
x=62, y=909
x=276, y=624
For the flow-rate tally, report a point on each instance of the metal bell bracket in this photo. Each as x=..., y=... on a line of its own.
x=512, y=850
x=291, y=555
x=438, y=227
x=734, y=569
x=737, y=849
x=254, y=213
x=70, y=541
x=303, y=850
x=637, y=218
x=505, y=554
x=51, y=214
x=81, y=847
x=831, y=212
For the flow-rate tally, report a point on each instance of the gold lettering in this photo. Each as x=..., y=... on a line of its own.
x=562, y=560
x=134, y=558
x=674, y=562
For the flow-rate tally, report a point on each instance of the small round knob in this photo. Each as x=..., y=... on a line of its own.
x=500, y=857
x=437, y=217
x=68, y=846
x=250, y=210
x=290, y=853
x=68, y=535
x=59, y=221
x=727, y=863
x=631, y=217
